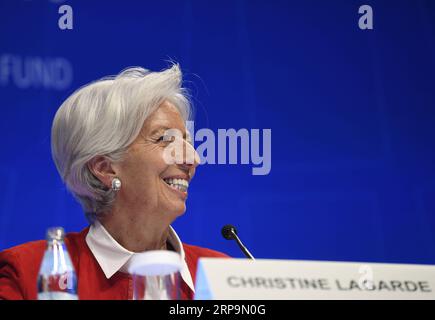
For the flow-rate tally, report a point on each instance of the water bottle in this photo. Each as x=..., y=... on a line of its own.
x=57, y=279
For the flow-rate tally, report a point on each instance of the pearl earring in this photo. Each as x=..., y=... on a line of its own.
x=116, y=184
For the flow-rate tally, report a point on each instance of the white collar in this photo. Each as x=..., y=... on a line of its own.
x=112, y=257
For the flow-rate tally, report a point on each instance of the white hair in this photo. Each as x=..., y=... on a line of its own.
x=102, y=119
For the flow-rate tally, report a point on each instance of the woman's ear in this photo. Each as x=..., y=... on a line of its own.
x=102, y=169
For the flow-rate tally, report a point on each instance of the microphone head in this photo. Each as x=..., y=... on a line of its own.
x=228, y=231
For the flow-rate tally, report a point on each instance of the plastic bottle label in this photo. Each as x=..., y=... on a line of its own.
x=57, y=296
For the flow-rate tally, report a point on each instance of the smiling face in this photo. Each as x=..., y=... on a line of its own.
x=149, y=183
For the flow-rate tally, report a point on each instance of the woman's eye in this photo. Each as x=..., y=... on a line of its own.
x=166, y=138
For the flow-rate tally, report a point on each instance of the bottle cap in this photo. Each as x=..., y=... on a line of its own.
x=55, y=233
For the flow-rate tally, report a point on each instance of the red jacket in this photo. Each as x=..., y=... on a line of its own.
x=19, y=267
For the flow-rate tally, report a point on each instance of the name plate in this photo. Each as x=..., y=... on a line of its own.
x=241, y=279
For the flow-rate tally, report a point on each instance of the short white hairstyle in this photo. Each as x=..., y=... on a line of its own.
x=103, y=118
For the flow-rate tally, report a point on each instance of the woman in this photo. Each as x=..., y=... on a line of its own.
x=121, y=147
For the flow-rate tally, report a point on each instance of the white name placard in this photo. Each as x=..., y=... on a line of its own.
x=313, y=280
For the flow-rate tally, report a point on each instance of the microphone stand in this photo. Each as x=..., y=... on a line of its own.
x=241, y=246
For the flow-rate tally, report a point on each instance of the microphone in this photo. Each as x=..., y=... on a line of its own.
x=229, y=232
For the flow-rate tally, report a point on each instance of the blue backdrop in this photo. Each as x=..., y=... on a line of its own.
x=351, y=112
